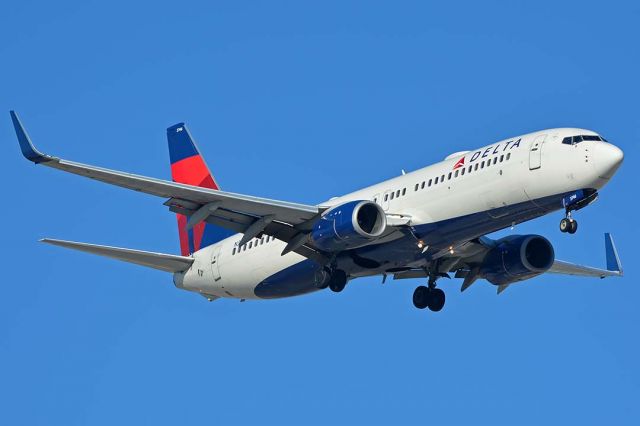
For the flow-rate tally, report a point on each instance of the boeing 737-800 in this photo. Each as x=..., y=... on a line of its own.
x=426, y=224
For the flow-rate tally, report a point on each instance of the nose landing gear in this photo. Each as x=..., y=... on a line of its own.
x=568, y=224
x=429, y=297
x=573, y=202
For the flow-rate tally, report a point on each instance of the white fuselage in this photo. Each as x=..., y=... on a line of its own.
x=517, y=170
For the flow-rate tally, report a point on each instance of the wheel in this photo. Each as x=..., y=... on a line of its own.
x=573, y=227
x=565, y=225
x=437, y=299
x=338, y=281
x=321, y=279
x=421, y=297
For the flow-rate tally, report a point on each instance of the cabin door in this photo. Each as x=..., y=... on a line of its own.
x=535, y=152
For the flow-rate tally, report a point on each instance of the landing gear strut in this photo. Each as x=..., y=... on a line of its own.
x=429, y=297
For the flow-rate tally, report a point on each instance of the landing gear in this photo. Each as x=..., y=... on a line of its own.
x=421, y=297
x=437, y=300
x=338, y=281
x=429, y=297
x=568, y=225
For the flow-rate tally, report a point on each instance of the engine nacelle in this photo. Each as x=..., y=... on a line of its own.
x=349, y=225
x=517, y=258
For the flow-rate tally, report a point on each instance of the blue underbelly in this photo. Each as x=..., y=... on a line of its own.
x=301, y=277
x=293, y=281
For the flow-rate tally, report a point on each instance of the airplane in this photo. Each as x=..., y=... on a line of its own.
x=427, y=224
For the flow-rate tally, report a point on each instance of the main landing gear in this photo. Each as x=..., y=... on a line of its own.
x=338, y=281
x=568, y=224
x=429, y=297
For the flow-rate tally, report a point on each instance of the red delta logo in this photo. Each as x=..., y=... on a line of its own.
x=459, y=163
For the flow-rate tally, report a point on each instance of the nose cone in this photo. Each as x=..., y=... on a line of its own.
x=607, y=159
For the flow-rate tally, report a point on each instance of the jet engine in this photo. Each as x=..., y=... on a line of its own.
x=349, y=225
x=516, y=258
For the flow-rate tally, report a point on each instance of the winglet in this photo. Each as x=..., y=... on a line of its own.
x=26, y=146
x=613, y=261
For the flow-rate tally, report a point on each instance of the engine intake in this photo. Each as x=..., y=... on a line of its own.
x=349, y=225
x=517, y=258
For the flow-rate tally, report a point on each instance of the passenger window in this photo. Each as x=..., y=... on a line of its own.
x=508, y=156
x=234, y=252
x=495, y=160
x=392, y=194
x=463, y=171
x=470, y=168
x=404, y=191
x=423, y=185
x=386, y=197
x=436, y=180
x=250, y=244
x=397, y=193
x=456, y=174
x=482, y=165
x=429, y=182
x=476, y=167
x=417, y=186
x=442, y=178
x=501, y=158
x=449, y=177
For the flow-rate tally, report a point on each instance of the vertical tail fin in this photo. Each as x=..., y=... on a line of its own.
x=188, y=167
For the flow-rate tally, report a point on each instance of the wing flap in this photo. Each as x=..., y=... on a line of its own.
x=160, y=261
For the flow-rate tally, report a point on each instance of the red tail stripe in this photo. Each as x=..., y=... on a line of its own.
x=192, y=171
x=182, y=231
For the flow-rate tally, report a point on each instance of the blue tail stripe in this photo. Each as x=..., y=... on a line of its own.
x=181, y=143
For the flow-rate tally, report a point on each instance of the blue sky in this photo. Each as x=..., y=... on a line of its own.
x=301, y=102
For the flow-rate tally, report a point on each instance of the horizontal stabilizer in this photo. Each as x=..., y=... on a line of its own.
x=163, y=262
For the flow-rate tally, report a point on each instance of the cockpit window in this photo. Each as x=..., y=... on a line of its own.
x=571, y=140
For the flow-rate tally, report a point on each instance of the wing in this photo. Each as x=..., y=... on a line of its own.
x=465, y=261
x=614, y=267
x=250, y=215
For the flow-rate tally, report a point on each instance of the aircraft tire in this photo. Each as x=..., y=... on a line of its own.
x=421, y=297
x=338, y=281
x=437, y=300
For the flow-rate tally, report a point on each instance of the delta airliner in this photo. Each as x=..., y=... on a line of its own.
x=427, y=224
